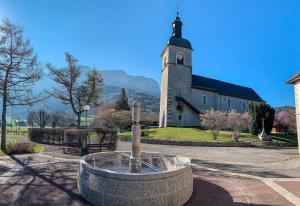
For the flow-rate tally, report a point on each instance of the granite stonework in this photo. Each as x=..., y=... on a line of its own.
x=102, y=183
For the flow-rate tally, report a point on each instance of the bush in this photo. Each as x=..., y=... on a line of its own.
x=75, y=135
x=213, y=121
x=46, y=135
x=20, y=148
x=237, y=122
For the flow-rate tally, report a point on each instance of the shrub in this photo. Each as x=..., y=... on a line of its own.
x=213, y=121
x=237, y=122
x=75, y=135
x=46, y=135
x=20, y=148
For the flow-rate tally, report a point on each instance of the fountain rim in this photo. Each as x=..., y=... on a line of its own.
x=133, y=176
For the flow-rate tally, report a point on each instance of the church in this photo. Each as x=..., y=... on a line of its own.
x=184, y=96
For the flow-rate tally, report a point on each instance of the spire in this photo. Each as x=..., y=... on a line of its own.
x=177, y=24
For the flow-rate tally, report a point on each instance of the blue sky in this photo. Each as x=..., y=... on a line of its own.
x=253, y=43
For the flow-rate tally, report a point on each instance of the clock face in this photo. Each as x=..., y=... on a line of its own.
x=180, y=56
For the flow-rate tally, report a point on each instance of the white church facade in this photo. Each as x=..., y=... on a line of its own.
x=185, y=96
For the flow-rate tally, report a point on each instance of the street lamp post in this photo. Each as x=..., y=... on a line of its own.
x=17, y=121
x=86, y=108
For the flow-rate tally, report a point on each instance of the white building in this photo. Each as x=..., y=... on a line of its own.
x=184, y=95
x=295, y=80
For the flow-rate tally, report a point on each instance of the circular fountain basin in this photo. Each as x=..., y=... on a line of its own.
x=165, y=179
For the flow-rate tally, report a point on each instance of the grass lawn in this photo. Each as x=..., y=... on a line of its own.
x=199, y=135
x=286, y=138
x=188, y=134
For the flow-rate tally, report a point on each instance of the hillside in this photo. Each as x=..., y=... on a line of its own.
x=137, y=88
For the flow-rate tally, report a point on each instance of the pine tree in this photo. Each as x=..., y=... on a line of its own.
x=122, y=102
x=257, y=113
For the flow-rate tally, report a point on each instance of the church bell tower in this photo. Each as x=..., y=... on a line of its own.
x=176, y=78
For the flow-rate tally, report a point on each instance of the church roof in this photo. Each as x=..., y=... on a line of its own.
x=224, y=88
x=179, y=41
x=176, y=38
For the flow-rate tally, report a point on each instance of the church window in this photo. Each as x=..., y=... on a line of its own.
x=228, y=103
x=180, y=92
x=244, y=105
x=165, y=61
x=204, y=99
x=179, y=108
x=179, y=117
x=180, y=58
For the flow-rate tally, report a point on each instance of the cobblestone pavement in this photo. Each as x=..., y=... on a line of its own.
x=222, y=176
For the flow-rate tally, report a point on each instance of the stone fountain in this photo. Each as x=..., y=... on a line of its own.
x=135, y=178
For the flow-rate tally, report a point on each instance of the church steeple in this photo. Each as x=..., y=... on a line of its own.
x=177, y=24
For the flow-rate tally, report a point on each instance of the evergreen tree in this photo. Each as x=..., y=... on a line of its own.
x=122, y=102
x=257, y=113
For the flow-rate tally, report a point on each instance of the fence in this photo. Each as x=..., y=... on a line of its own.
x=90, y=138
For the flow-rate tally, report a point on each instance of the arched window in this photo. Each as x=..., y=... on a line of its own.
x=244, y=105
x=228, y=103
x=204, y=99
x=179, y=108
x=180, y=58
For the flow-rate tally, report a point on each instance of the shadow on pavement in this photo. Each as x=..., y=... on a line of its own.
x=245, y=169
x=209, y=194
x=51, y=184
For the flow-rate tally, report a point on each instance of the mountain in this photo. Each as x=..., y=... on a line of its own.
x=284, y=108
x=119, y=78
x=149, y=103
x=137, y=88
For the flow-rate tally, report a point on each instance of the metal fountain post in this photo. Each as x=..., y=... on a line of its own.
x=135, y=158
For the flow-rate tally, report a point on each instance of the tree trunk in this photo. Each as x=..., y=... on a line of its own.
x=3, y=135
x=78, y=120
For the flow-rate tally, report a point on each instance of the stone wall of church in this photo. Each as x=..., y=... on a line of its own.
x=211, y=99
x=176, y=81
x=227, y=103
x=163, y=99
x=217, y=101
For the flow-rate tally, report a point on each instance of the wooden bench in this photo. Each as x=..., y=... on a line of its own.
x=106, y=146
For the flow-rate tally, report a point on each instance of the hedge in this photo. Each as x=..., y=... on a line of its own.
x=69, y=136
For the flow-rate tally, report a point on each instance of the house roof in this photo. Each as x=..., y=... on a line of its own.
x=224, y=88
x=294, y=79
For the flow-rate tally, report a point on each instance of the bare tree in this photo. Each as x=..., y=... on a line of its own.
x=108, y=118
x=286, y=120
x=19, y=70
x=237, y=122
x=150, y=118
x=55, y=118
x=42, y=118
x=31, y=118
x=73, y=91
x=213, y=121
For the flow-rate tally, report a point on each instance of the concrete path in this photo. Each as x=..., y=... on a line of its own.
x=222, y=176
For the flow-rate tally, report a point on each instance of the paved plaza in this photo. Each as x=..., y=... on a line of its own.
x=222, y=176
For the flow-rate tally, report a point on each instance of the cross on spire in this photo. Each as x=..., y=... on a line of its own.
x=177, y=10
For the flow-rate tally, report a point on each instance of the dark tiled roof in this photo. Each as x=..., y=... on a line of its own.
x=224, y=88
x=181, y=42
x=187, y=103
